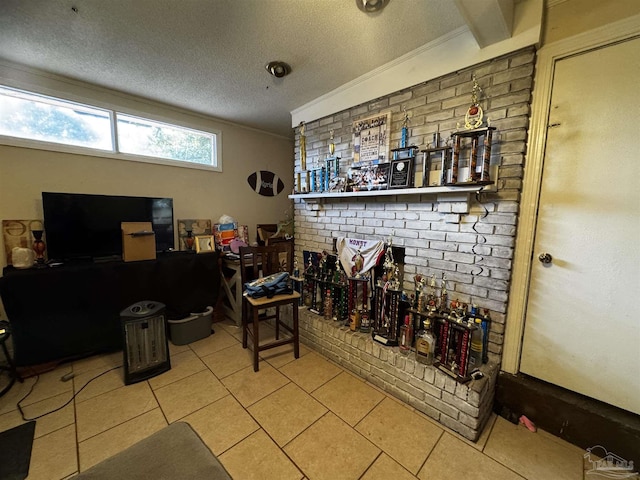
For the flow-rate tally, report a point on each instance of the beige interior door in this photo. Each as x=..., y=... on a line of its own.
x=582, y=327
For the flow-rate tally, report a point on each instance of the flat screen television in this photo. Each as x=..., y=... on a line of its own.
x=87, y=227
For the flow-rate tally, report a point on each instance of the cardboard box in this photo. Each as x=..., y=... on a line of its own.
x=138, y=241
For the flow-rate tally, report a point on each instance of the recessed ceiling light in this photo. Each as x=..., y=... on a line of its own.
x=278, y=69
x=371, y=6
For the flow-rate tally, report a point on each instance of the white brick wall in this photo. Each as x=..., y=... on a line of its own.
x=471, y=242
x=464, y=408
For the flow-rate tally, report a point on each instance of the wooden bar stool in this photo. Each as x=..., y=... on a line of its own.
x=263, y=261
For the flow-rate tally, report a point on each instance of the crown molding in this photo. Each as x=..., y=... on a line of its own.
x=452, y=52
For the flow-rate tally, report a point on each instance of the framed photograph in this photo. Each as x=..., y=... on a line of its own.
x=401, y=173
x=197, y=227
x=243, y=233
x=204, y=243
x=371, y=137
x=19, y=233
x=370, y=177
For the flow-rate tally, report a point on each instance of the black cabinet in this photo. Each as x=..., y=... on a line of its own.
x=73, y=311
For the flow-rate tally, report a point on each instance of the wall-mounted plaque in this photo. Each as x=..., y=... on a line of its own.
x=371, y=139
x=400, y=175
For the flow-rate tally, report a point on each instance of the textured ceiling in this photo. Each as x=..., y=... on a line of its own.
x=208, y=56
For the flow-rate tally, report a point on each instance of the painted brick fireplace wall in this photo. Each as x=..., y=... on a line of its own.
x=467, y=237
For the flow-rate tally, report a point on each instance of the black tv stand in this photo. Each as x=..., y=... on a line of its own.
x=74, y=310
x=110, y=258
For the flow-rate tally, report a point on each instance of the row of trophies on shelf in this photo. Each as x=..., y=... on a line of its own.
x=465, y=159
x=452, y=336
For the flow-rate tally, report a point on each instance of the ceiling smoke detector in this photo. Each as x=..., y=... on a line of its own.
x=278, y=69
x=371, y=6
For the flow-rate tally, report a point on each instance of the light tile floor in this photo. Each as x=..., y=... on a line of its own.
x=294, y=419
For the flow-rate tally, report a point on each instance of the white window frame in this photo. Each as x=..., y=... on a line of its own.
x=115, y=154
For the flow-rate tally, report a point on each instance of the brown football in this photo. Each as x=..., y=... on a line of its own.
x=265, y=183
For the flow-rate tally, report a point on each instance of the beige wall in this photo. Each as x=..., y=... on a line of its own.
x=25, y=173
x=570, y=17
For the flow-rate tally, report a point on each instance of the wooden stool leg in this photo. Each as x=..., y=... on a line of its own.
x=296, y=338
x=244, y=314
x=256, y=338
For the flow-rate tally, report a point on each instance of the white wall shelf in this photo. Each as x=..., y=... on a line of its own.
x=318, y=196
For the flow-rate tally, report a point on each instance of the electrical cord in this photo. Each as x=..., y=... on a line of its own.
x=480, y=235
x=65, y=404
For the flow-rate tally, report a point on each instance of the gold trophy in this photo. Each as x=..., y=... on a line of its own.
x=303, y=148
x=332, y=146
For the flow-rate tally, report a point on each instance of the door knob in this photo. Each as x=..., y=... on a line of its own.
x=545, y=258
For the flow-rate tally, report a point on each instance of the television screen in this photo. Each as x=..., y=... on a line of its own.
x=83, y=226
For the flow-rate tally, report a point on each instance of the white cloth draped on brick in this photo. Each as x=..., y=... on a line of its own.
x=370, y=250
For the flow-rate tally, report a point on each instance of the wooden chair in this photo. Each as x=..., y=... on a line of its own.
x=264, y=231
x=263, y=261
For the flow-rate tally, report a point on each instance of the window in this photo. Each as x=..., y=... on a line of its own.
x=34, y=117
x=145, y=137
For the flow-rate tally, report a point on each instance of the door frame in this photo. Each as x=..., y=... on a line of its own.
x=527, y=219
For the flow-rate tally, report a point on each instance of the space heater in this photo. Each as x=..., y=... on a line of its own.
x=144, y=334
